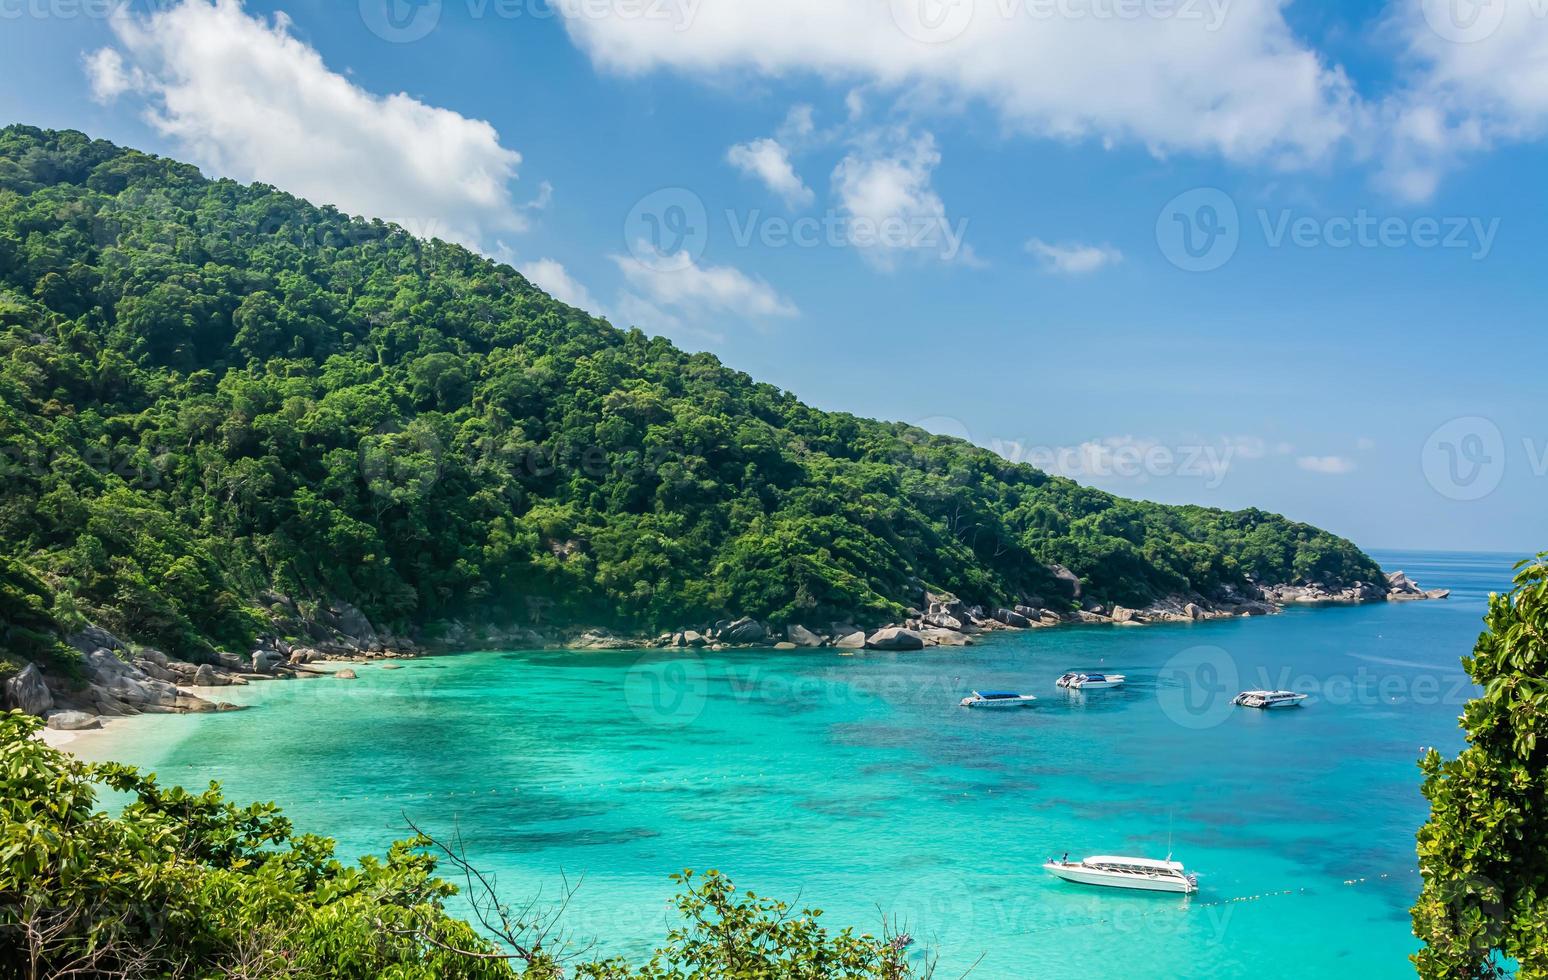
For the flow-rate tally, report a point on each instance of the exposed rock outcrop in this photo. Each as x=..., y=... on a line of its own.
x=72, y=721
x=28, y=691
x=1066, y=581
x=1012, y=618
x=895, y=638
x=802, y=637
x=600, y=639
x=745, y=630
x=848, y=638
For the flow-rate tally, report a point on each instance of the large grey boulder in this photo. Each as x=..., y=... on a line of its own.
x=28, y=691
x=1012, y=618
x=266, y=660
x=1193, y=611
x=744, y=630
x=943, y=620
x=895, y=638
x=693, y=638
x=937, y=637
x=1122, y=614
x=353, y=623
x=72, y=721
x=96, y=638
x=1067, y=581
x=801, y=636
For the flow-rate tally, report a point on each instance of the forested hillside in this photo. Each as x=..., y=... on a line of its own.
x=209, y=390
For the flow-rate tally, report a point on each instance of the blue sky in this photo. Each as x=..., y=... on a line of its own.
x=1216, y=251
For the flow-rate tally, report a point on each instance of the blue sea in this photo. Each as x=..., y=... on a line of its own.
x=855, y=784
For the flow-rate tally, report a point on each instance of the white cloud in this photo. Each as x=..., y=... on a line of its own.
x=555, y=280
x=245, y=98
x=1477, y=77
x=1073, y=258
x=1208, y=77
x=769, y=161
x=109, y=76
x=1326, y=465
x=680, y=281
x=884, y=192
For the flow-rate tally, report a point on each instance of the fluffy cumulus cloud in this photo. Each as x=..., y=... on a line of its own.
x=1477, y=77
x=243, y=97
x=681, y=282
x=883, y=189
x=1073, y=258
x=768, y=160
x=554, y=279
x=1229, y=78
x=1326, y=465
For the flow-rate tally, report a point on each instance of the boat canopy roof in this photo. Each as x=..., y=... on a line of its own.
x=1134, y=862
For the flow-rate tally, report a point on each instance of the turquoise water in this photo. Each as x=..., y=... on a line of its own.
x=856, y=784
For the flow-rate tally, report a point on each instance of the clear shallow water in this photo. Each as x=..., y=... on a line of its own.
x=856, y=784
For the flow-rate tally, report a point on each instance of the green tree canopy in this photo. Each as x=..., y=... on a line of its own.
x=208, y=390
x=1484, y=852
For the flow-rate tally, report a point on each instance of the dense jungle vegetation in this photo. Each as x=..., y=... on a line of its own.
x=210, y=390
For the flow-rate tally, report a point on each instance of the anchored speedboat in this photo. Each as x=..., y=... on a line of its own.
x=1077, y=681
x=1142, y=874
x=997, y=699
x=1268, y=699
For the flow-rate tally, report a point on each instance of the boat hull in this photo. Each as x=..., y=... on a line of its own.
x=1000, y=703
x=1081, y=875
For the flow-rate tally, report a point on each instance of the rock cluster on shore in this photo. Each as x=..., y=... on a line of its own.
x=115, y=680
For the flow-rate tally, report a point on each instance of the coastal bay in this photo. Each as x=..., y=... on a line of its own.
x=857, y=784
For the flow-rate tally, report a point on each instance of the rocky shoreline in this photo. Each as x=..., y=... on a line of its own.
x=116, y=680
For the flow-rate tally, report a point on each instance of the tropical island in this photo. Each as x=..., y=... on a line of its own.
x=241, y=433
x=238, y=426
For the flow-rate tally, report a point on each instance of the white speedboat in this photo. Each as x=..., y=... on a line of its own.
x=1268, y=699
x=1143, y=874
x=1076, y=681
x=997, y=699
